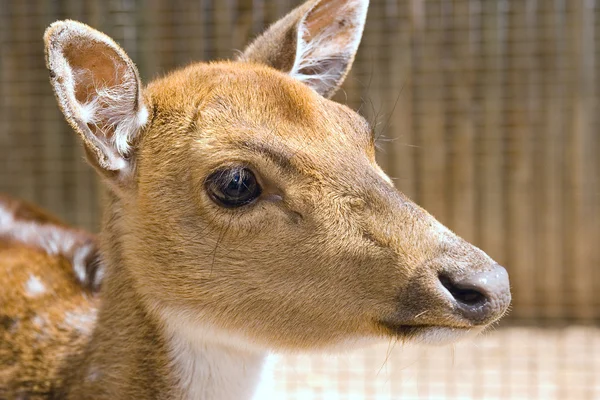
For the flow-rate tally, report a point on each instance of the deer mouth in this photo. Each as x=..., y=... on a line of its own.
x=429, y=334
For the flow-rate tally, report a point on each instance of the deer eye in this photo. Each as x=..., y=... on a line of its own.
x=233, y=187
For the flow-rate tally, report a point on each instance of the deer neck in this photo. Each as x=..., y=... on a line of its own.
x=207, y=370
x=135, y=353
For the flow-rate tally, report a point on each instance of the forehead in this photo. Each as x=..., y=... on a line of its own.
x=232, y=100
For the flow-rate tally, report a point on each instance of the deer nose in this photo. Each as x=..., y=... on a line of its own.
x=481, y=297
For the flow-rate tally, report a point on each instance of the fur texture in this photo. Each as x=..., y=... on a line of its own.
x=49, y=278
x=98, y=89
x=195, y=293
x=316, y=43
x=327, y=42
x=26, y=224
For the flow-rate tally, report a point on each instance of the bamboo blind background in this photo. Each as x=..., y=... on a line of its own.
x=517, y=363
x=487, y=113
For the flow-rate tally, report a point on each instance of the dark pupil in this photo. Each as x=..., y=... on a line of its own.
x=238, y=185
x=234, y=188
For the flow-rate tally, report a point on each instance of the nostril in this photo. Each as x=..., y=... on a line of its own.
x=480, y=296
x=468, y=296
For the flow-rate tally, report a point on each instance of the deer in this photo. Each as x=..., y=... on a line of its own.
x=24, y=223
x=246, y=214
x=41, y=259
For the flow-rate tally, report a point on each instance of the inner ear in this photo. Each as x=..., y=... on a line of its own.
x=316, y=43
x=99, y=92
x=105, y=88
x=87, y=57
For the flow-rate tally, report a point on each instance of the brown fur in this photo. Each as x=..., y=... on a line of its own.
x=330, y=254
x=38, y=330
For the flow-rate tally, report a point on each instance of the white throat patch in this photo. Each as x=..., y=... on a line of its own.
x=206, y=368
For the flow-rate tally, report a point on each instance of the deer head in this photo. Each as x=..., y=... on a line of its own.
x=248, y=209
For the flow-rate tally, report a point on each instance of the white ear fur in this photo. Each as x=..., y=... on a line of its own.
x=328, y=38
x=98, y=90
x=315, y=43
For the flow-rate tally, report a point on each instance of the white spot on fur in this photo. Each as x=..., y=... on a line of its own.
x=34, y=286
x=79, y=261
x=93, y=374
x=83, y=322
x=99, y=277
x=6, y=218
x=38, y=321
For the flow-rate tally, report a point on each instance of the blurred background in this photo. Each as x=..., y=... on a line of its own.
x=487, y=113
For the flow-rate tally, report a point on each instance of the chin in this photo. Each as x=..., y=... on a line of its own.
x=433, y=335
x=348, y=345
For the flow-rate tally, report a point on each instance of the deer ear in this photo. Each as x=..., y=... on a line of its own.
x=99, y=92
x=315, y=43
